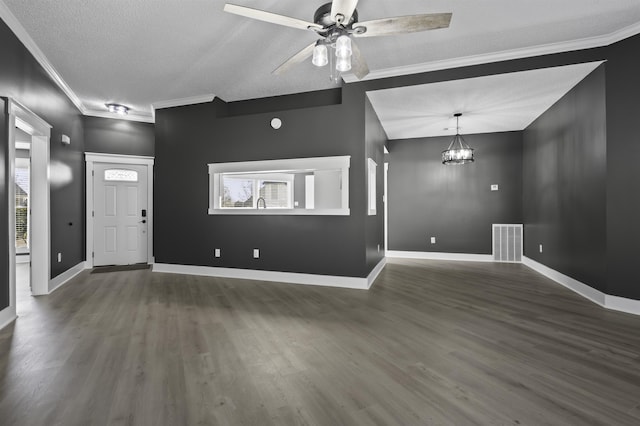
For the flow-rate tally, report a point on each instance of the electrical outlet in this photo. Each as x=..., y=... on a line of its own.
x=433, y=240
x=296, y=204
x=59, y=257
x=256, y=253
x=494, y=187
x=378, y=248
x=540, y=248
x=217, y=253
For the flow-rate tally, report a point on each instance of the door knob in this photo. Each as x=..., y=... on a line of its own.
x=143, y=221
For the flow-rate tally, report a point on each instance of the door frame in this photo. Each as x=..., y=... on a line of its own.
x=91, y=158
x=40, y=237
x=385, y=198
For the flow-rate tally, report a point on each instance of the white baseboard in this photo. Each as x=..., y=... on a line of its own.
x=622, y=304
x=283, y=277
x=432, y=255
x=375, y=272
x=7, y=316
x=615, y=303
x=66, y=276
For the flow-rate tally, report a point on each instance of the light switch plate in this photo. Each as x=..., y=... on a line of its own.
x=494, y=187
x=256, y=253
x=217, y=253
x=433, y=240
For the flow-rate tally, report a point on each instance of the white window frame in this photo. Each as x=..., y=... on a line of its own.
x=285, y=166
x=120, y=179
x=371, y=178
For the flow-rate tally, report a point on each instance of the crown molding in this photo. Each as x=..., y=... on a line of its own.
x=12, y=22
x=586, y=43
x=143, y=118
x=191, y=100
x=506, y=55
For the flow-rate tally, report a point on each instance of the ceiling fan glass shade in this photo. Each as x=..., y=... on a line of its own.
x=320, y=55
x=343, y=47
x=459, y=152
x=343, y=64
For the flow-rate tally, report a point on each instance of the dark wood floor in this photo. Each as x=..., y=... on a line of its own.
x=432, y=343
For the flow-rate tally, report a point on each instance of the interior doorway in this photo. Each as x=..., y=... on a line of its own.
x=29, y=224
x=22, y=206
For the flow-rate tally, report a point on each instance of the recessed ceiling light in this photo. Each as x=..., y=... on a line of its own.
x=117, y=108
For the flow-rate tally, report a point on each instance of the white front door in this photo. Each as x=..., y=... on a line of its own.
x=119, y=214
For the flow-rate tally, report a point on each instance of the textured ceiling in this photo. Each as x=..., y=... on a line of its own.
x=145, y=52
x=497, y=103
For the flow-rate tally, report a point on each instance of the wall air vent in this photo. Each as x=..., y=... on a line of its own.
x=507, y=243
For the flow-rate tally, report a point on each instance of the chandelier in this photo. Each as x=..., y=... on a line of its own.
x=459, y=152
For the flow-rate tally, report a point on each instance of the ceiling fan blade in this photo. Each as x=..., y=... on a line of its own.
x=299, y=57
x=359, y=66
x=344, y=8
x=403, y=24
x=273, y=18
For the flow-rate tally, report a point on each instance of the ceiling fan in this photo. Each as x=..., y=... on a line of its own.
x=336, y=23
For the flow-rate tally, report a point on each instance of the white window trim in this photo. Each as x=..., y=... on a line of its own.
x=313, y=163
x=371, y=187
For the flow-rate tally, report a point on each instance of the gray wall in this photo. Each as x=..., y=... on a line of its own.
x=187, y=138
x=623, y=172
x=455, y=204
x=225, y=138
x=564, y=181
x=112, y=136
x=23, y=79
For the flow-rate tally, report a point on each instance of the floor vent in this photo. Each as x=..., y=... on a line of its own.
x=507, y=243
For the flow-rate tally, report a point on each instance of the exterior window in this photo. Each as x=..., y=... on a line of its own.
x=237, y=193
x=121, y=175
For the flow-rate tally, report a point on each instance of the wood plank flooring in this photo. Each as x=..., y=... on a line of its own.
x=432, y=343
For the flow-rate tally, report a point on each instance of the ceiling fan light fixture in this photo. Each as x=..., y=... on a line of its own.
x=320, y=55
x=335, y=23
